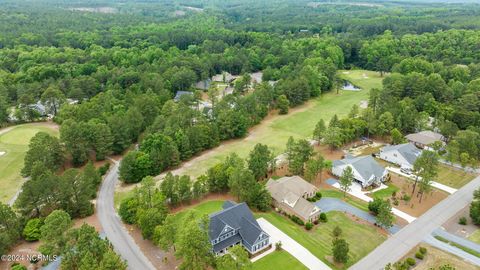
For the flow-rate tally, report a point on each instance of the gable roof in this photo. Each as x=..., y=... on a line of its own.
x=366, y=166
x=238, y=217
x=409, y=151
x=294, y=184
x=425, y=137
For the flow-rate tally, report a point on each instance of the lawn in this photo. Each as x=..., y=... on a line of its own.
x=453, y=177
x=15, y=144
x=475, y=236
x=299, y=123
x=203, y=208
x=387, y=192
x=278, y=260
x=361, y=238
x=333, y=193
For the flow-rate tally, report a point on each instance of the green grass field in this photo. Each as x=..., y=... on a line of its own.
x=203, y=208
x=278, y=260
x=453, y=177
x=387, y=192
x=361, y=238
x=15, y=144
x=333, y=193
x=299, y=123
x=475, y=236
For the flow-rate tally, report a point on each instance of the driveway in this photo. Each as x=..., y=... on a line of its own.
x=411, y=235
x=292, y=246
x=113, y=227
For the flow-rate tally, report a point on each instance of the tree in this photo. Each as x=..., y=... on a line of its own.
x=354, y=111
x=200, y=187
x=314, y=167
x=475, y=207
x=192, y=243
x=135, y=166
x=319, y=131
x=164, y=235
x=337, y=231
x=282, y=104
x=162, y=150
x=45, y=149
x=397, y=137
x=52, y=98
x=298, y=152
x=53, y=233
x=259, y=160
x=236, y=259
x=340, y=250
x=346, y=180
x=128, y=210
x=149, y=219
x=385, y=217
x=10, y=228
x=31, y=232
x=333, y=137
x=426, y=167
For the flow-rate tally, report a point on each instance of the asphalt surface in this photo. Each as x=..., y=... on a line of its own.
x=453, y=250
x=113, y=227
x=400, y=243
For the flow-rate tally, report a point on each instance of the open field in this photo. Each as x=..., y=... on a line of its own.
x=14, y=142
x=278, y=260
x=453, y=177
x=362, y=238
x=436, y=258
x=275, y=130
x=203, y=208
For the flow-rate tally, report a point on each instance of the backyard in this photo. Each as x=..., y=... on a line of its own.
x=13, y=146
x=278, y=260
x=362, y=238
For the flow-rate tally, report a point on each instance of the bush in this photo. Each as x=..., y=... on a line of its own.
x=419, y=255
x=462, y=221
x=423, y=250
x=17, y=266
x=411, y=261
x=374, y=206
x=318, y=196
x=278, y=246
x=128, y=210
x=31, y=232
x=337, y=231
x=297, y=220
x=323, y=217
x=104, y=169
x=406, y=198
x=308, y=226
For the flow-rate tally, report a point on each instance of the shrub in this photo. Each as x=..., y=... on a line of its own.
x=297, y=220
x=419, y=255
x=423, y=250
x=278, y=246
x=17, y=266
x=315, y=222
x=323, y=217
x=308, y=226
x=406, y=198
x=411, y=261
x=104, y=168
x=462, y=221
x=31, y=232
x=337, y=231
x=318, y=196
x=374, y=206
x=128, y=210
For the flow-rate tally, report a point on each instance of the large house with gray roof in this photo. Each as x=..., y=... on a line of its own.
x=424, y=139
x=366, y=169
x=290, y=195
x=403, y=155
x=235, y=225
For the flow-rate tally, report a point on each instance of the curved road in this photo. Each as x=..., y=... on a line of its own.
x=402, y=242
x=113, y=227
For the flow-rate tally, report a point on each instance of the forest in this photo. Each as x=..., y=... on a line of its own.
x=108, y=76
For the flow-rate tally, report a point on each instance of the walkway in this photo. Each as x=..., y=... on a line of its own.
x=333, y=204
x=356, y=190
x=411, y=235
x=292, y=246
x=451, y=249
x=436, y=185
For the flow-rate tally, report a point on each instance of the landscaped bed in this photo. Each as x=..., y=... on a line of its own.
x=434, y=258
x=362, y=238
x=278, y=260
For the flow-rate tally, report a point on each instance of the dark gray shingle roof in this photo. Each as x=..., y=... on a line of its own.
x=409, y=151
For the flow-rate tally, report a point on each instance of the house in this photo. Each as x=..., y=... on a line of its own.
x=424, y=138
x=290, y=195
x=179, y=95
x=235, y=225
x=366, y=169
x=225, y=77
x=403, y=155
x=203, y=85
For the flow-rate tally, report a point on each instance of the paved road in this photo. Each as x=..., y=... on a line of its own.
x=453, y=250
x=457, y=239
x=113, y=227
x=400, y=243
x=292, y=246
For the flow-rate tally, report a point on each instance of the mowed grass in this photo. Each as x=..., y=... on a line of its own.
x=333, y=193
x=299, y=123
x=204, y=208
x=386, y=193
x=15, y=144
x=278, y=260
x=362, y=239
x=475, y=236
x=453, y=177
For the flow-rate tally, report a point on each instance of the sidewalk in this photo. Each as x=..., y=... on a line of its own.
x=436, y=185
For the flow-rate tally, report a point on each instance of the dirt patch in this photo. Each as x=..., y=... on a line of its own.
x=436, y=258
x=464, y=231
x=328, y=153
x=21, y=250
x=159, y=258
x=414, y=207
